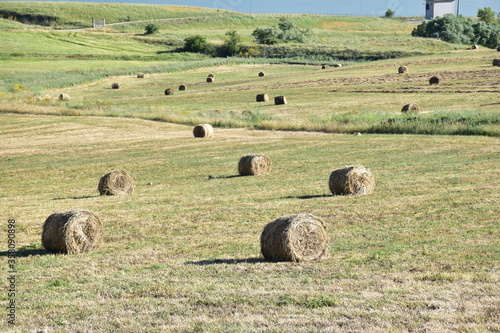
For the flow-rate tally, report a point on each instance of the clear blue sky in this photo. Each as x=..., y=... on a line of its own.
x=328, y=7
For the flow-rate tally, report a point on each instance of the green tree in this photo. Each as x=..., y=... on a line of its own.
x=486, y=15
x=389, y=13
x=195, y=43
x=265, y=35
x=284, y=31
x=151, y=28
x=232, y=44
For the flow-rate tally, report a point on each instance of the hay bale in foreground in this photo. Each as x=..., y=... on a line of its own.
x=413, y=107
x=297, y=238
x=262, y=98
x=262, y=74
x=434, y=80
x=140, y=75
x=402, y=70
x=280, y=100
x=203, y=131
x=253, y=165
x=169, y=91
x=115, y=183
x=72, y=231
x=182, y=87
x=210, y=79
x=496, y=62
x=115, y=85
x=64, y=97
x=355, y=179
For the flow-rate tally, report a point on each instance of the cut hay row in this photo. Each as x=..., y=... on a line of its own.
x=116, y=182
x=73, y=231
x=296, y=238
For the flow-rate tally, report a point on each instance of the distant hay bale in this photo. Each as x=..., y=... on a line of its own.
x=474, y=47
x=280, y=100
x=325, y=67
x=115, y=85
x=402, y=70
x=295, y=238
x=261, y=74
x=411, y=108
x=182, y=87
x=115, y=183
x=254, y=165
x=140, y=75
x=72, y=231
x=434, y=80
x=203, y=131
x=169, y=91
x=337, y=65
x=210, y=79
x=262, y=97
x=496, y=62
x=498, y=48
x=64, y=97
x=355, y=179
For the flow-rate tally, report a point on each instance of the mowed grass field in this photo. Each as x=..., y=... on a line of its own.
x=182, y=253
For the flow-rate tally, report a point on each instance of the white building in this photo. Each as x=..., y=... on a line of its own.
x=435, y=8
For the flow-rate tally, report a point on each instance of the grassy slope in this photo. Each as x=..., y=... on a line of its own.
x=182, y=254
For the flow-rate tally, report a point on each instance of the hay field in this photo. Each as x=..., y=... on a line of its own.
x=182, y=252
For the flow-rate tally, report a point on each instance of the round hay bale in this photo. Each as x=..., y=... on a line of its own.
x=210, y=79
x=402, y=70
x=325, y=67
x=116, y=182
x=337, y=65
x=140, y=75
x=474, y=47
x=411, y=108
x=211, y=75
x=64, y=97
x=262, y=97
x=182, y=87
x=72, y=231
x=253, y=165
x=262, y=74
x=280, y=100
x=169, y=91
x=496, y=62
x=296, y=238
x=498, y=48
x=203, y=131
x=115, y=85
x=434, y=80
x=355, y=179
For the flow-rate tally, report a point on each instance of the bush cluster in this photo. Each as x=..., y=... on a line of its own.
x=285, y=31
x=460, y=30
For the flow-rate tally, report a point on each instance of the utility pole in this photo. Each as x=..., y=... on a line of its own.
x=458, y=7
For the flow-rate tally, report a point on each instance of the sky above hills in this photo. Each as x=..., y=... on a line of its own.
x=327, y=7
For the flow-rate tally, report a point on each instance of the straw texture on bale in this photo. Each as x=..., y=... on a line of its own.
x=402, y=70
x=261, y=74
x=411, y=108
x=72, y=231
x=280, y=100
x=169, y=91
x=434, y=80
x=355, y=179
x=140, y=75
x=115, y=86
x=210, y=79
x=64, y=97
x=253, y=165
x=203, y=131
x=296, y=238
x=262, y=97
x=496, y=62
x=115, y=183
x=182, y=87
x=325, y=67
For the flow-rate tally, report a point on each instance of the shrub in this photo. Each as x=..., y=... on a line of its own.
x=486, y=15
x=232, y=45
x=151, y=28
x=285, y=31
x=389, y=13
x=195, y=43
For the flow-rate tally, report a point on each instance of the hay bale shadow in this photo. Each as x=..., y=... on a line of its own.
x=226, y=261
x=306, y=197
x=26, y=253
x=78, y=198
x=223, y=177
